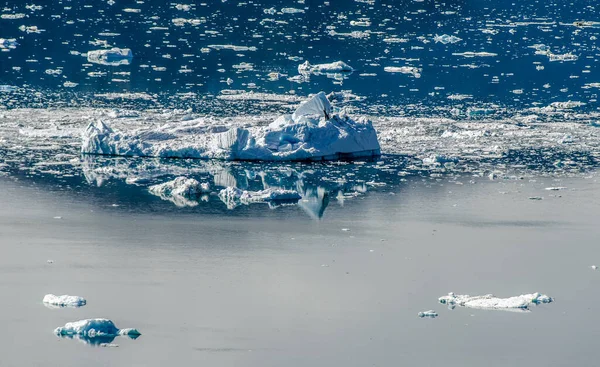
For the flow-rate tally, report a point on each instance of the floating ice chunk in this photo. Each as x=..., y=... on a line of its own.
x=439, y=159
x=490, y=302
x=470, y=54
x=233, y=47
x=563, y=57
x=291, y=11
x=411, y=70
x=182, y=191
x=446, y=39
x=8, y=43
x=312, y=133
x=94, y=331
x=431, y=314
x=112, y=57
x=64, y=301
x=234, y=197
x=334, y=67
x=555, y=188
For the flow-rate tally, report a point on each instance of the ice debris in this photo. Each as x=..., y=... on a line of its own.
x=430, y=314
x=411, y=70
x=8, y=43
x=112, y=57
x=234, y=197
x=334, y=67
x=63, y=301
x=182, y=191
x=314, y=132
x=490, y=302
x=94, y=328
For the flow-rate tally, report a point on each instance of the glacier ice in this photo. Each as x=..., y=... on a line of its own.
x=94, y=331
x=63, y=301
x=490, y=302
x=312, y=133
x=234, y=197
x=112, y=57
x=181, y=191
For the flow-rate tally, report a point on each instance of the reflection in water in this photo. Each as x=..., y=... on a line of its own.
x=96, y=340
x=316, y=184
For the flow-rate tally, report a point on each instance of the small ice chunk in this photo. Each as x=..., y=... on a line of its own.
x=112, y=57
x=431, y=314
x=64, y=301
x=334, y=67
x=490, y=302
x=8, y=43
x=92, y=328
x=446, y=39
x=555, y=188
x=410, y=70
x=594, y=267
x=536, y=198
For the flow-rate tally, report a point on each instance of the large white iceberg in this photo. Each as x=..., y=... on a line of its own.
x=313, y=132
x=181, y=191
x=93, y=328
x=234, y=197
x=63, y=301
x=112, y=57
x=490, y=302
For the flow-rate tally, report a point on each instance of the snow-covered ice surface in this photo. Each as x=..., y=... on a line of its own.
x=313, y=132
x=491, y=302
x=94, y=331
x=53, y=301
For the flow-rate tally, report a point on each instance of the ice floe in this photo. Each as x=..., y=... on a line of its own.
x=334, y=67
x=411, y=70
x=446, y=39
x=94, y=331
x=63, y=301
x=490, y=302
x=312, y=132
x=181, y=191
x=430, y=314
x=111, y=57
x=8, y=43
x=234, y=197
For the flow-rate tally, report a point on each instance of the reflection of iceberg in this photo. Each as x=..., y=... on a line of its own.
x=313, y=133
x=490, y=302
x=181, y=191
x=94, y=331
x=113, y=57
x=314, y=202
x=234, y=197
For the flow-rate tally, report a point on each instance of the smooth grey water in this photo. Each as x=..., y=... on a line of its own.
x=275, y=287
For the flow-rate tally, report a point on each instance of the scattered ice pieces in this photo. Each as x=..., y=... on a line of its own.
x=181, y=191
x=234, y=197
x=490, y=302
x=429, y=314
x=63, y=301
x=8, y=43
x=112, y=57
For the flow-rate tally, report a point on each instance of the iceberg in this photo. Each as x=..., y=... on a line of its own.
x=234, y=197
x=112, y=57
x=334, y=67
x=411, y=70
x=94, y=331
x=314, y=132
x=430, y=314
x=181, y=191
x=52, y=301
x=490, y=302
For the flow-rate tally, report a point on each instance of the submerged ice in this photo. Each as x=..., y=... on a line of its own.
x=313, y=132
x=491, y=302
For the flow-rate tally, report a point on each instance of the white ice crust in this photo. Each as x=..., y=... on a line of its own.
x=334, y=67
x=233, y=197
x=312, y=132
x=490, y=302
x=64, y=300
x=91, y=328
x=182, y=191
x=112, y=57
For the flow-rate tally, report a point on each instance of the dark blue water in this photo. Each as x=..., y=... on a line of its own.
x=168, y=61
